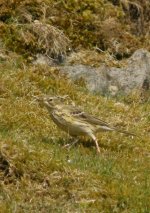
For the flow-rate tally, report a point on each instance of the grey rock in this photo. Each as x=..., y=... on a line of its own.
x=112, y=80
x=42, y=60
x=95, y=78
x=134, y=74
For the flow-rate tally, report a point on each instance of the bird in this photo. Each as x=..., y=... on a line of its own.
x=75, y=121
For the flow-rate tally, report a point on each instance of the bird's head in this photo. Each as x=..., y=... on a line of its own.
x=50, y=102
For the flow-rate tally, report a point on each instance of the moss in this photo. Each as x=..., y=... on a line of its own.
x=37, y=174
x=88, y=24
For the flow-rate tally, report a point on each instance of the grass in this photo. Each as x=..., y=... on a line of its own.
x=38, y=175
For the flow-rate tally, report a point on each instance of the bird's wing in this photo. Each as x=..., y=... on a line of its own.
x=93, y=120
x=83, y=116
x=78, y=113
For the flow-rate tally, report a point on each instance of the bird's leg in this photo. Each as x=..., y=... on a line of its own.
x=69, y=145
x=97, y=146
x=96, y=142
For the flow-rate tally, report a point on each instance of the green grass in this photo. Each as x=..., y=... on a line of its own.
x=38, y=175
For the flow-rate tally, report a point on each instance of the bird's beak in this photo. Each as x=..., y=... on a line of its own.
x=38, y=98
x=35, y=97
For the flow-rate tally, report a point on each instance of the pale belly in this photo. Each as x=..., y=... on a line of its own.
x=73, y=128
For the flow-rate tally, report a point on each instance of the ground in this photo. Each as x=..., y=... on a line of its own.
x=38, y=175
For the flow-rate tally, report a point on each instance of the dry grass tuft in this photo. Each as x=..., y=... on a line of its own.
x=37, y=37
x=50, y=39
x=94, y=58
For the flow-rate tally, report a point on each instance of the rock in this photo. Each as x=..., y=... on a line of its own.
x=113, y=90
x=112, y=80
x=94, y=78
x=42, y=60
x=134, y=75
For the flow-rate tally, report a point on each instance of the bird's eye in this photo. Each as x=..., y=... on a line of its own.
x=50, y=99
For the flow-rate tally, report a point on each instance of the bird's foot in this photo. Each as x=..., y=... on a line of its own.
x=69, y=145
x=98, y=150
x=66, y=145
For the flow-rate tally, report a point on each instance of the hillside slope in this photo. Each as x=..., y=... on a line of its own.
x=38, y=175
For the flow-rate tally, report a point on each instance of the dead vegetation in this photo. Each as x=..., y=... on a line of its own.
x=30, y=27
x=30, y=39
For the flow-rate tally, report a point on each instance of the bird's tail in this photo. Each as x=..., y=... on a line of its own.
x=108, y=128
x=124, y=132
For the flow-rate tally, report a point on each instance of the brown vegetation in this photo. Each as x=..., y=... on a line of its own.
x=119, y=27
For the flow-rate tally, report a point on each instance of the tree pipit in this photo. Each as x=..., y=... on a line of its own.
x=75, y=121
